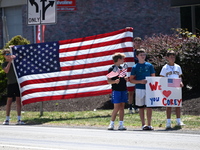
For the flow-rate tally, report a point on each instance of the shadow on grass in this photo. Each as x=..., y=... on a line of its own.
x=39, y=121
x=175, y=128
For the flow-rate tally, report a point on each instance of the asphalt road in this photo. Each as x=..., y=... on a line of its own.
x=13, y=137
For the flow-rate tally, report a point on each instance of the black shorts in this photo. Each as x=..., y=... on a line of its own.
x=13, y=90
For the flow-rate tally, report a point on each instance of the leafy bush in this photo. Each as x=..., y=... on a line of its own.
x=2, y=77
x=187, y=48
x=190, y=62
x=17, y=40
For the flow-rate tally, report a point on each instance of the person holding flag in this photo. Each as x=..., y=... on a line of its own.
x=12, y=87
x=117, y=78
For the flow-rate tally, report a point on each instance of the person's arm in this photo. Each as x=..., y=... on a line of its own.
x=126, y=78
x=181, y=84
x=7, y=68
x=163, y=72
x=153, y=74
x=110, y=81
x=132, y=80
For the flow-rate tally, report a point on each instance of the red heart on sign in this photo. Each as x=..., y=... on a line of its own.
x=166, y=93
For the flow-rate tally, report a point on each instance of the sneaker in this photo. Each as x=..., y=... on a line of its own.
x=180, y=124
x=150, y=128
x=130, y=111
x=111, y=127
x=121, y=127
x=19, y=122
x=145, y=127
x=6, y=122
x=168, y=126
x=137, y=110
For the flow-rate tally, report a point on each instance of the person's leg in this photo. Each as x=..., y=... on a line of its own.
x=10, y=92
x=140, y=101
x=149, y=115
x=178, y=116
x=136, y=109
x=121, y=111
x=130, y=101
x=8, y=106
x=168, y=113
x=19, y=106
x=115, y=111
x=142, y=117
x=121, y=117
x=178, y=112
x=116, y=96
x=113, y=116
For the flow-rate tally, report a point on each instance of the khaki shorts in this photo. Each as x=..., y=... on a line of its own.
x=140, y=96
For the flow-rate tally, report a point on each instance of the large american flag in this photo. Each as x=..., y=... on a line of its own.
x=69, y=68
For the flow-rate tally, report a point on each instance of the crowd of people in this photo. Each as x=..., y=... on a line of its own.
x=121, y=94
x=135, y=95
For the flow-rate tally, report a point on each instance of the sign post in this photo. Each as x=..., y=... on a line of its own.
x=41, y=12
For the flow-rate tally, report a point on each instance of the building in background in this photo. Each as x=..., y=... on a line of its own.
x=90, y=17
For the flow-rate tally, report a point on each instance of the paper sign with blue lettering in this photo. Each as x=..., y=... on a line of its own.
x=163, y=92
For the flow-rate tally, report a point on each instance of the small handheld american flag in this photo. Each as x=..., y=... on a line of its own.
x=123, y=72
x=115, y=72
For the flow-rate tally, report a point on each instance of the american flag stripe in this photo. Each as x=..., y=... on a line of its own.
x=61, y=81
x=92, y=65
x=66, y=56
x=60, y=77
x=93, y=46
x=83, y=65
x=73, y=93
x=96, y=38
x=50, y=87
x=101, y=91
x=77, y=60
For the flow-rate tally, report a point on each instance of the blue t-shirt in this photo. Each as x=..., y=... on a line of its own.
x=141, y=71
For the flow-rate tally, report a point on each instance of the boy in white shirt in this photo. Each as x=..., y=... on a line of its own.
x=172, y=70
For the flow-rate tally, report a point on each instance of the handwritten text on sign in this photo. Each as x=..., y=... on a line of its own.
x=162, y=91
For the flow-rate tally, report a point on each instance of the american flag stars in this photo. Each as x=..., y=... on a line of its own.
x=37, y=59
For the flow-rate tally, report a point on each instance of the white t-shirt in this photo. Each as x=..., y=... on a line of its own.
x=171, y=71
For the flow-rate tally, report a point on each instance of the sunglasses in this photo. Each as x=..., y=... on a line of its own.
x=8, y=54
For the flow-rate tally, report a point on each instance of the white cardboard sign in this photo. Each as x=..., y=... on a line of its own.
x=163, y=92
